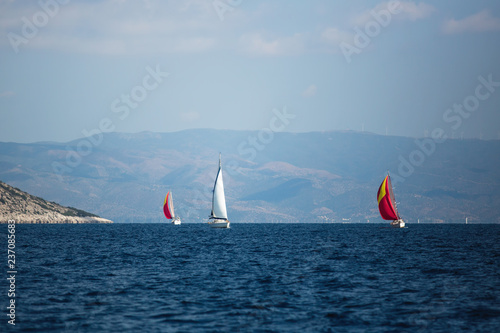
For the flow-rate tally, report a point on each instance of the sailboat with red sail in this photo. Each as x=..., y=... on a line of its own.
x=387, y=203
x=168, y=209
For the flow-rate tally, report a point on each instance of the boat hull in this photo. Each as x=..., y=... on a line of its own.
x=219, y=223
x=176, y=221
x=398, y=223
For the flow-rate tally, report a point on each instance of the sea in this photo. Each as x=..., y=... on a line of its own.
x=253, y=278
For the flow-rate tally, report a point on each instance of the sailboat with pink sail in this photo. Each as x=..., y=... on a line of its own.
x=387, y=203
x=168, y=209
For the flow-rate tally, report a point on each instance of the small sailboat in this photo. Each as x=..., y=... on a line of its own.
x=168, y=209
x=387, y=203
x=218, y=216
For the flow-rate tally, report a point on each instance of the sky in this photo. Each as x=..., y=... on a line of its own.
x=70, y=68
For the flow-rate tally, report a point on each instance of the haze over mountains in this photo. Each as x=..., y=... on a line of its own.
x=268, y=176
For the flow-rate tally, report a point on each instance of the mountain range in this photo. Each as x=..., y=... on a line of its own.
x=268, y=176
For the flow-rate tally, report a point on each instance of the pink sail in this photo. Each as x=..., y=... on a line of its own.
x=167, y=207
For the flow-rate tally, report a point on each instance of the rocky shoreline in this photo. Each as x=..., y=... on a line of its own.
x=45, y=219
x=25, y=208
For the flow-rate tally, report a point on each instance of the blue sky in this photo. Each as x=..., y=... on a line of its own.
x=226, y=64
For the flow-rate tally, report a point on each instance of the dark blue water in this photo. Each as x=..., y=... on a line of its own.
x=255, y=278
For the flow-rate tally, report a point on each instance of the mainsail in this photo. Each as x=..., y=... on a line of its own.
x=218, y=200
x=386, y=201
x=168, y=207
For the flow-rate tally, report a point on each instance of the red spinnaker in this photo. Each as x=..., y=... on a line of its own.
x=166, y=209
x=386, y=203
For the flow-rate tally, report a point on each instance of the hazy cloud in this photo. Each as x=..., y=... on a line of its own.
x=480, y=22
x=310, y=91
x=256, y=44
x=412, y=11
x=190, y=116
x=406, y=11
x=5, y=94
x=336, y=36
x=118, y=27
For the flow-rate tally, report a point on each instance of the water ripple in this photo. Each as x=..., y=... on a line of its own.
x=267, y=278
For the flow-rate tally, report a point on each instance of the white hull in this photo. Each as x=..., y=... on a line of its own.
x=398, y=223
x=176, y=221
x=219, y=224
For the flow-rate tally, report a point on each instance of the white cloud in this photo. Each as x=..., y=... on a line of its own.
x=118, y=27
x=310, y=91
x=388, y=11
x=413, y=12
x=255, y=44
x=480, y=22
x=336, y=36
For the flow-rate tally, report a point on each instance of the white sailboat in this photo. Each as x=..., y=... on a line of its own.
x=218, y=216
x=168, y=210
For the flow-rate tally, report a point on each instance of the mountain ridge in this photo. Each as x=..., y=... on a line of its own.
x=126, y=176
x=26, y=208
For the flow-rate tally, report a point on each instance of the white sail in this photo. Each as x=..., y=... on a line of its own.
x=219, y=201
x=171, y=205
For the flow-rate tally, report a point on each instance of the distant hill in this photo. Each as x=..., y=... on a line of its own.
x=286, y=177
x=26, y=208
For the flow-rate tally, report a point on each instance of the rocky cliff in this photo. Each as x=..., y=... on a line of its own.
x=26, y=208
